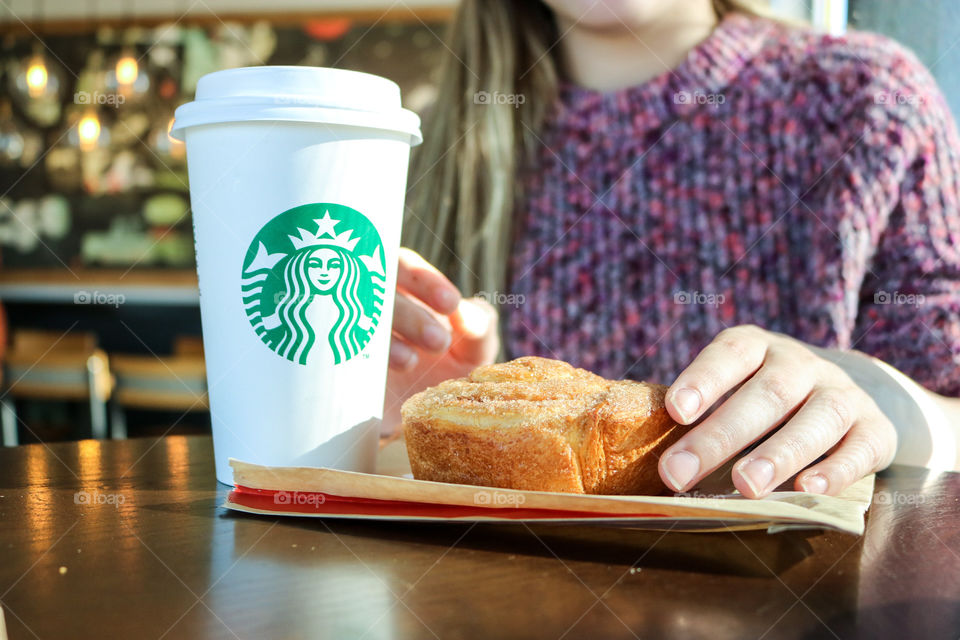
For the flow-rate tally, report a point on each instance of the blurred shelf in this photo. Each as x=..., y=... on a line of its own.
x=100, y=287
x=64, y=16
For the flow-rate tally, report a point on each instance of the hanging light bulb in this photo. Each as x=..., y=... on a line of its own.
x=127, y=69
x=88, y=131
x=125, y=76
x=35, y=85
x=37, y=76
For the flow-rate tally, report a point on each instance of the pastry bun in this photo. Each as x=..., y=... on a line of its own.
x=542, y=425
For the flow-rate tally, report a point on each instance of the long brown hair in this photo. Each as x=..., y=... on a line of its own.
x=497, y=81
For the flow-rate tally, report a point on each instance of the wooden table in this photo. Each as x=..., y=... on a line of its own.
x=127, y=540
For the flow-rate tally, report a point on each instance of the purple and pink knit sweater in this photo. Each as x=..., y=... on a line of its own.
x=803, y=183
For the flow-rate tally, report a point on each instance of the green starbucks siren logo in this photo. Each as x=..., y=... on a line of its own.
x=315, y=271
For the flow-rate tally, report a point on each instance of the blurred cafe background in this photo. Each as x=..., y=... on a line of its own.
x=97, y=281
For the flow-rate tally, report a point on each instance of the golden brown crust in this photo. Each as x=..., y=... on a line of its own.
x=540, y=424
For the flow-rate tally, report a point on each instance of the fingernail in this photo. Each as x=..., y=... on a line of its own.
x=448, y=300
x=758, y=474
x=814, y=483
x=680, y=468
x=402, y=356
x=435, y=338
x=687, y=403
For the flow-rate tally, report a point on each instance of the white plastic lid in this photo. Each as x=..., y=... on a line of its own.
x=297, y=94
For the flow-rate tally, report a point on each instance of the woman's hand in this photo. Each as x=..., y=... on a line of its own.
x=781, y=382
x=437, y=335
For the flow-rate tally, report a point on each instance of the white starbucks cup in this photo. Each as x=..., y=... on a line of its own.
x=297, y=184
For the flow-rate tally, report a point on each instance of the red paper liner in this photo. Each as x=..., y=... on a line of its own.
x=323, y=503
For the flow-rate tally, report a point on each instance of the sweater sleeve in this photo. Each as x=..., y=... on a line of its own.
x=909, y=313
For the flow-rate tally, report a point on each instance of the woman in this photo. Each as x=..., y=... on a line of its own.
x=682, y=191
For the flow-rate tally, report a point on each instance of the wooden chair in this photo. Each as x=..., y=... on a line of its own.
x=55, y=366
x=177, y=382
x=188, y=346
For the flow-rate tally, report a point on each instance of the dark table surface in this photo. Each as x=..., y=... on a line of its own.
x=128, y=540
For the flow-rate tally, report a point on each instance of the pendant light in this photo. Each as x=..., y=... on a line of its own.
x=36, y=75
x=127, y=78
x=36, y=71
x=127, y=69
x=88, y=131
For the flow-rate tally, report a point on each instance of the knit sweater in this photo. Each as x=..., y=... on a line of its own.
x=804, y=183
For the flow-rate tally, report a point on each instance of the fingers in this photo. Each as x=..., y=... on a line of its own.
x=430, y=314
x=422, y=280
x=733, y=356
x=779, y=380
x=476, y=340
x=822, y=421
x=418, y=326
x=403, y=357
x=869, y=446
x=471, y=333
x=760, y=405
x=422, y=293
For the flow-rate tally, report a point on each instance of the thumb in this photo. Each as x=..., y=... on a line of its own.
x=475, y=337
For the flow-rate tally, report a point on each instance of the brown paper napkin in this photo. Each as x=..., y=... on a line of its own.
x=779, y=511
